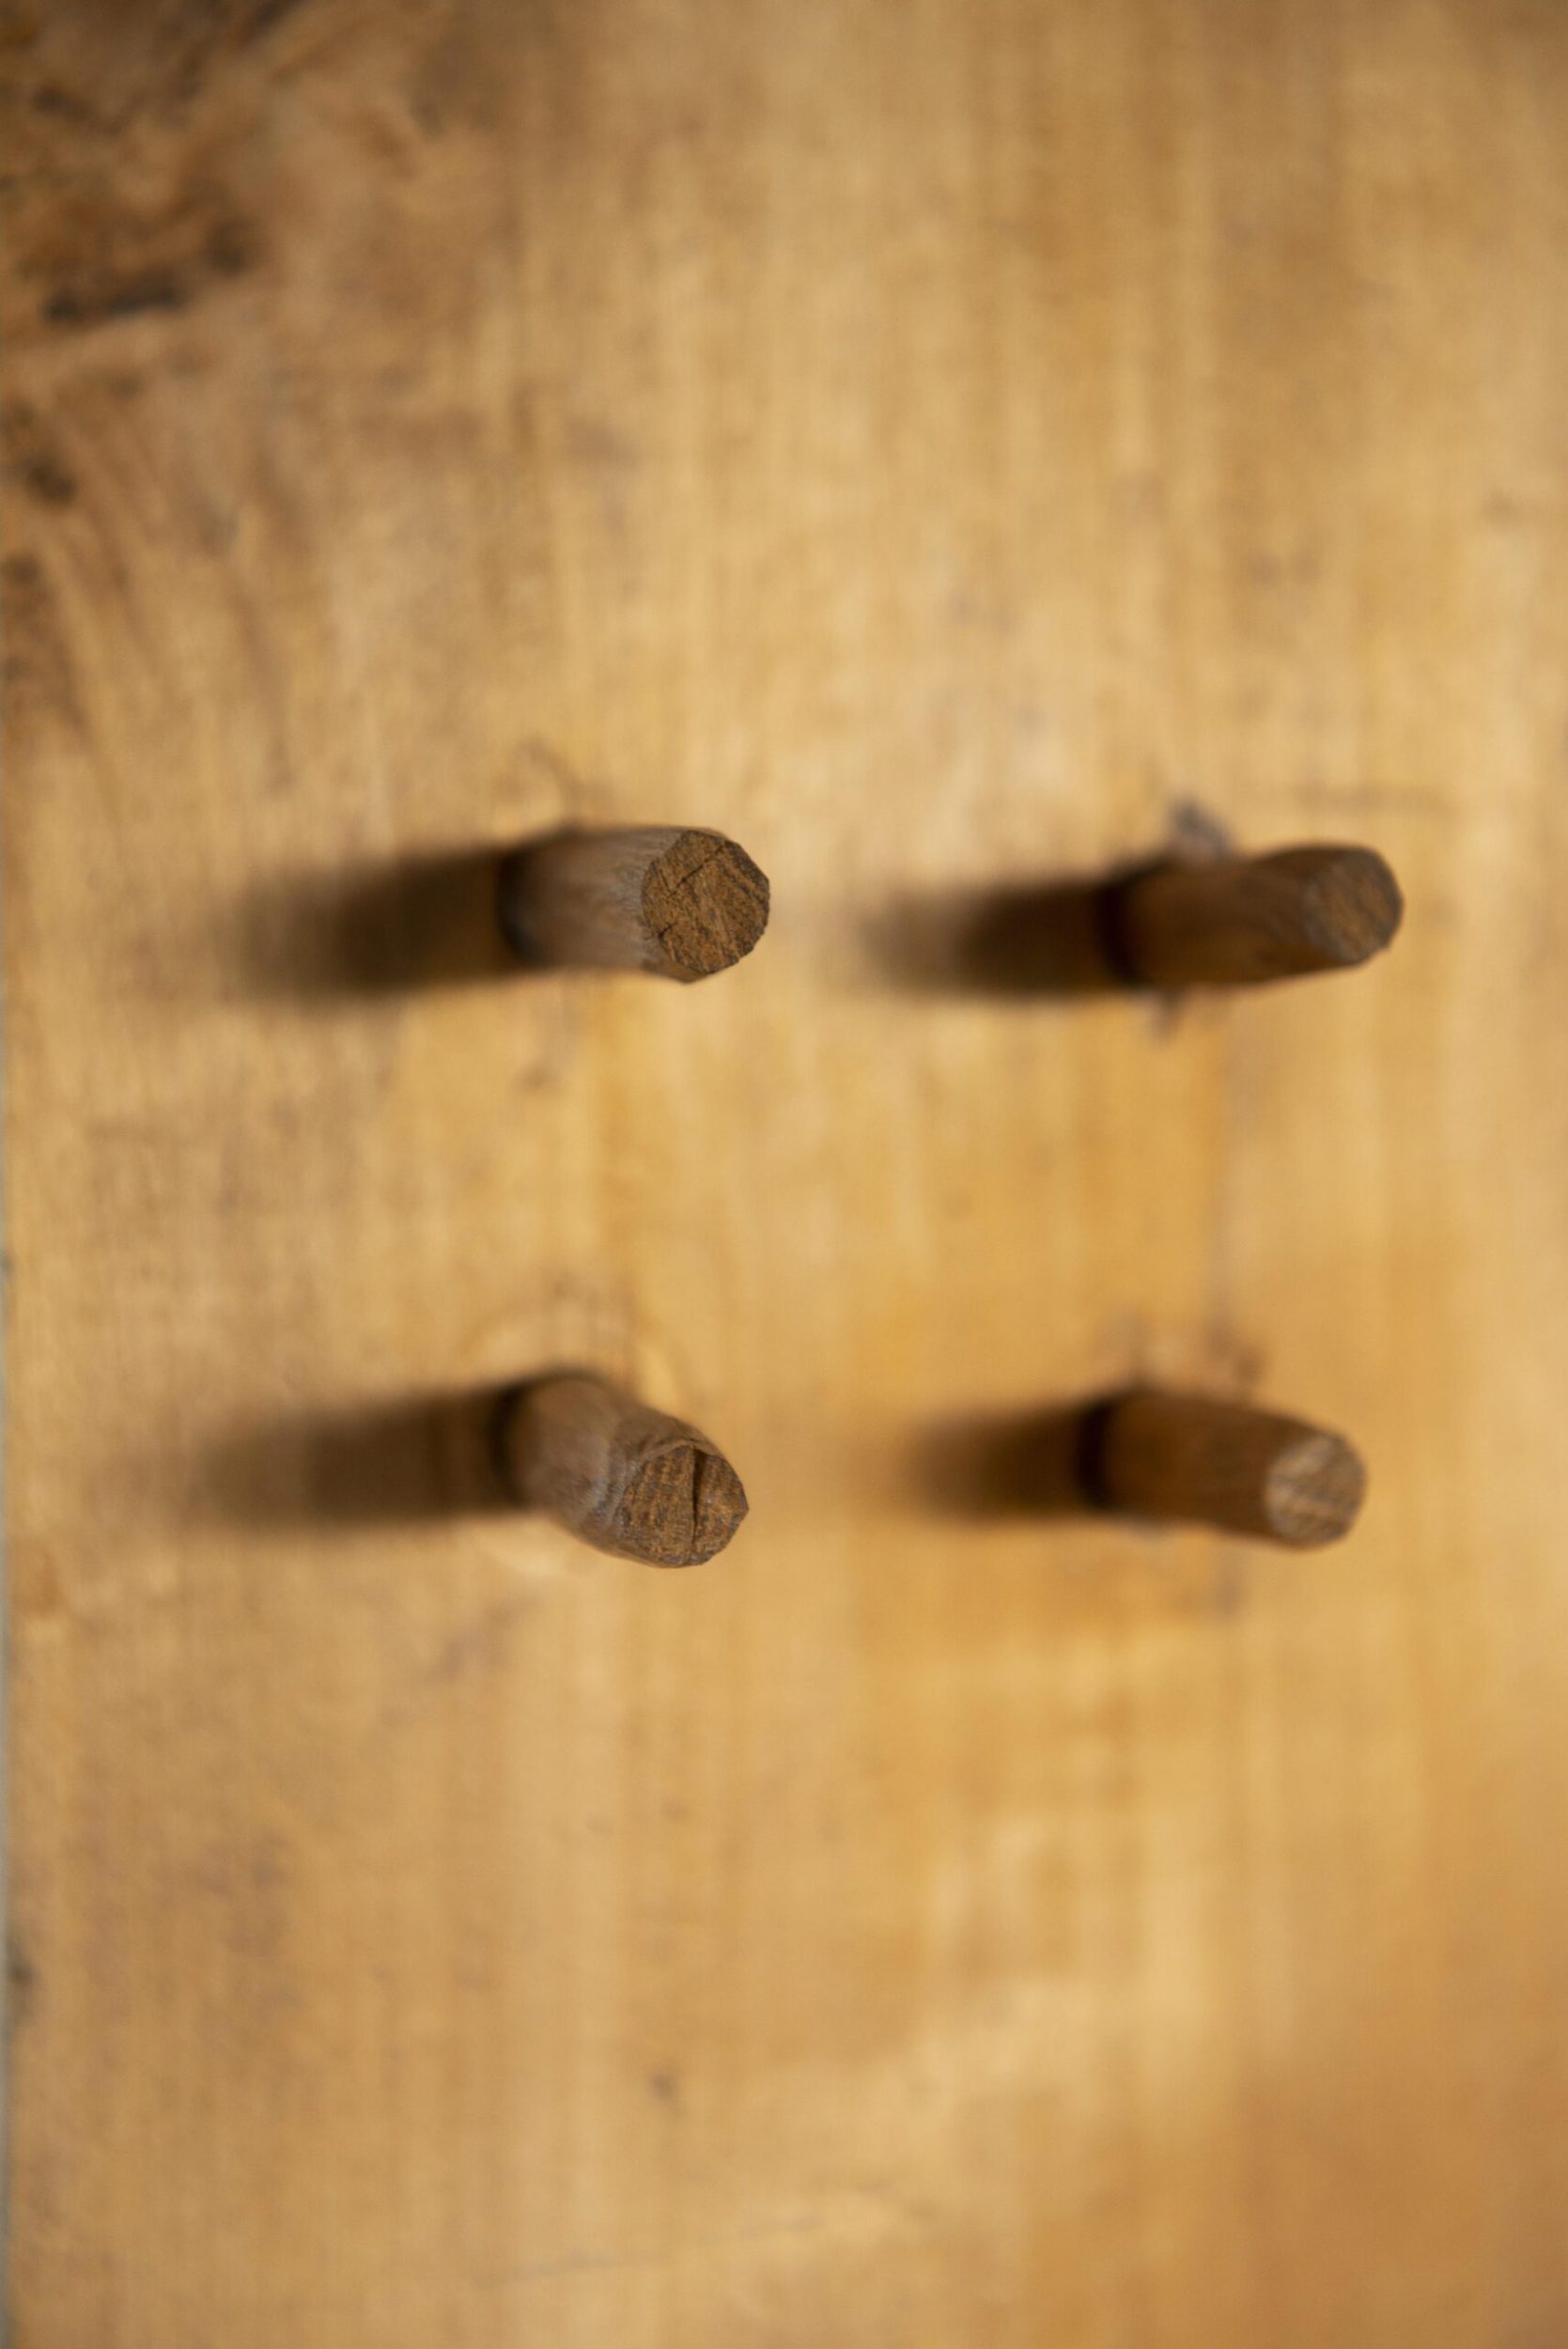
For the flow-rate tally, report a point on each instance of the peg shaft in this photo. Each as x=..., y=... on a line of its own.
x=1223, y=1464
x=628, y=1480
x=680, y=903
x=1247, y=919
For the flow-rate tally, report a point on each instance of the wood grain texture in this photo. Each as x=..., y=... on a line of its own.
x=942, y=446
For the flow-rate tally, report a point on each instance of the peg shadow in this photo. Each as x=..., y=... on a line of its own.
x=408, y=1462
x=1060, y=937
x=1020, y=1464
x=410, y=924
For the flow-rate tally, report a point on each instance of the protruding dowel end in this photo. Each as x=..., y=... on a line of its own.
x=1243, y=1471
x=1243, y=921
x=681, y=903
x=628, y=1480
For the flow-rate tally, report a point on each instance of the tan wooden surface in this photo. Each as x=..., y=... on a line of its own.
x=934, y=442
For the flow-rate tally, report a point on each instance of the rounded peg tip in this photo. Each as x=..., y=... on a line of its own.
x=1229, y=1465
x=627, y=1479
x=1244, y=920
x=681, y=902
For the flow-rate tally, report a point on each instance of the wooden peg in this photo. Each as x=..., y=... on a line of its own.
x=1246, y=920
x=656, y=898
x=1223, y=1464
x=627, y=1479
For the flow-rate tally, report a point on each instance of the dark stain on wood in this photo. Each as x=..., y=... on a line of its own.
x=32, y=456
x=115, y=280
x=22, y=1984
x=38, y=669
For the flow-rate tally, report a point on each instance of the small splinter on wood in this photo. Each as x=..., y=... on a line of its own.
x=627, y=1479
x=680, y=903
x=1227, y=1465
x=1243, y=921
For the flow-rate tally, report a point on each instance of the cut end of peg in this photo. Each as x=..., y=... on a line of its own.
x=1189, y=1458
x=1244, y=920
x=706, y=903
x=628, y=1480
x=1351, y=904
x=680, y=1508
x=680, y=903
x=1314, y=1492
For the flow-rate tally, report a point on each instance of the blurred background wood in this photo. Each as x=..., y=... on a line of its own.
x=941, y=445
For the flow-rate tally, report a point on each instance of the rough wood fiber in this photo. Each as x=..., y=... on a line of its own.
x=934, y=443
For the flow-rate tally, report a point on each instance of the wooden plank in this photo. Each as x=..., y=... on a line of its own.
x=934, y=444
